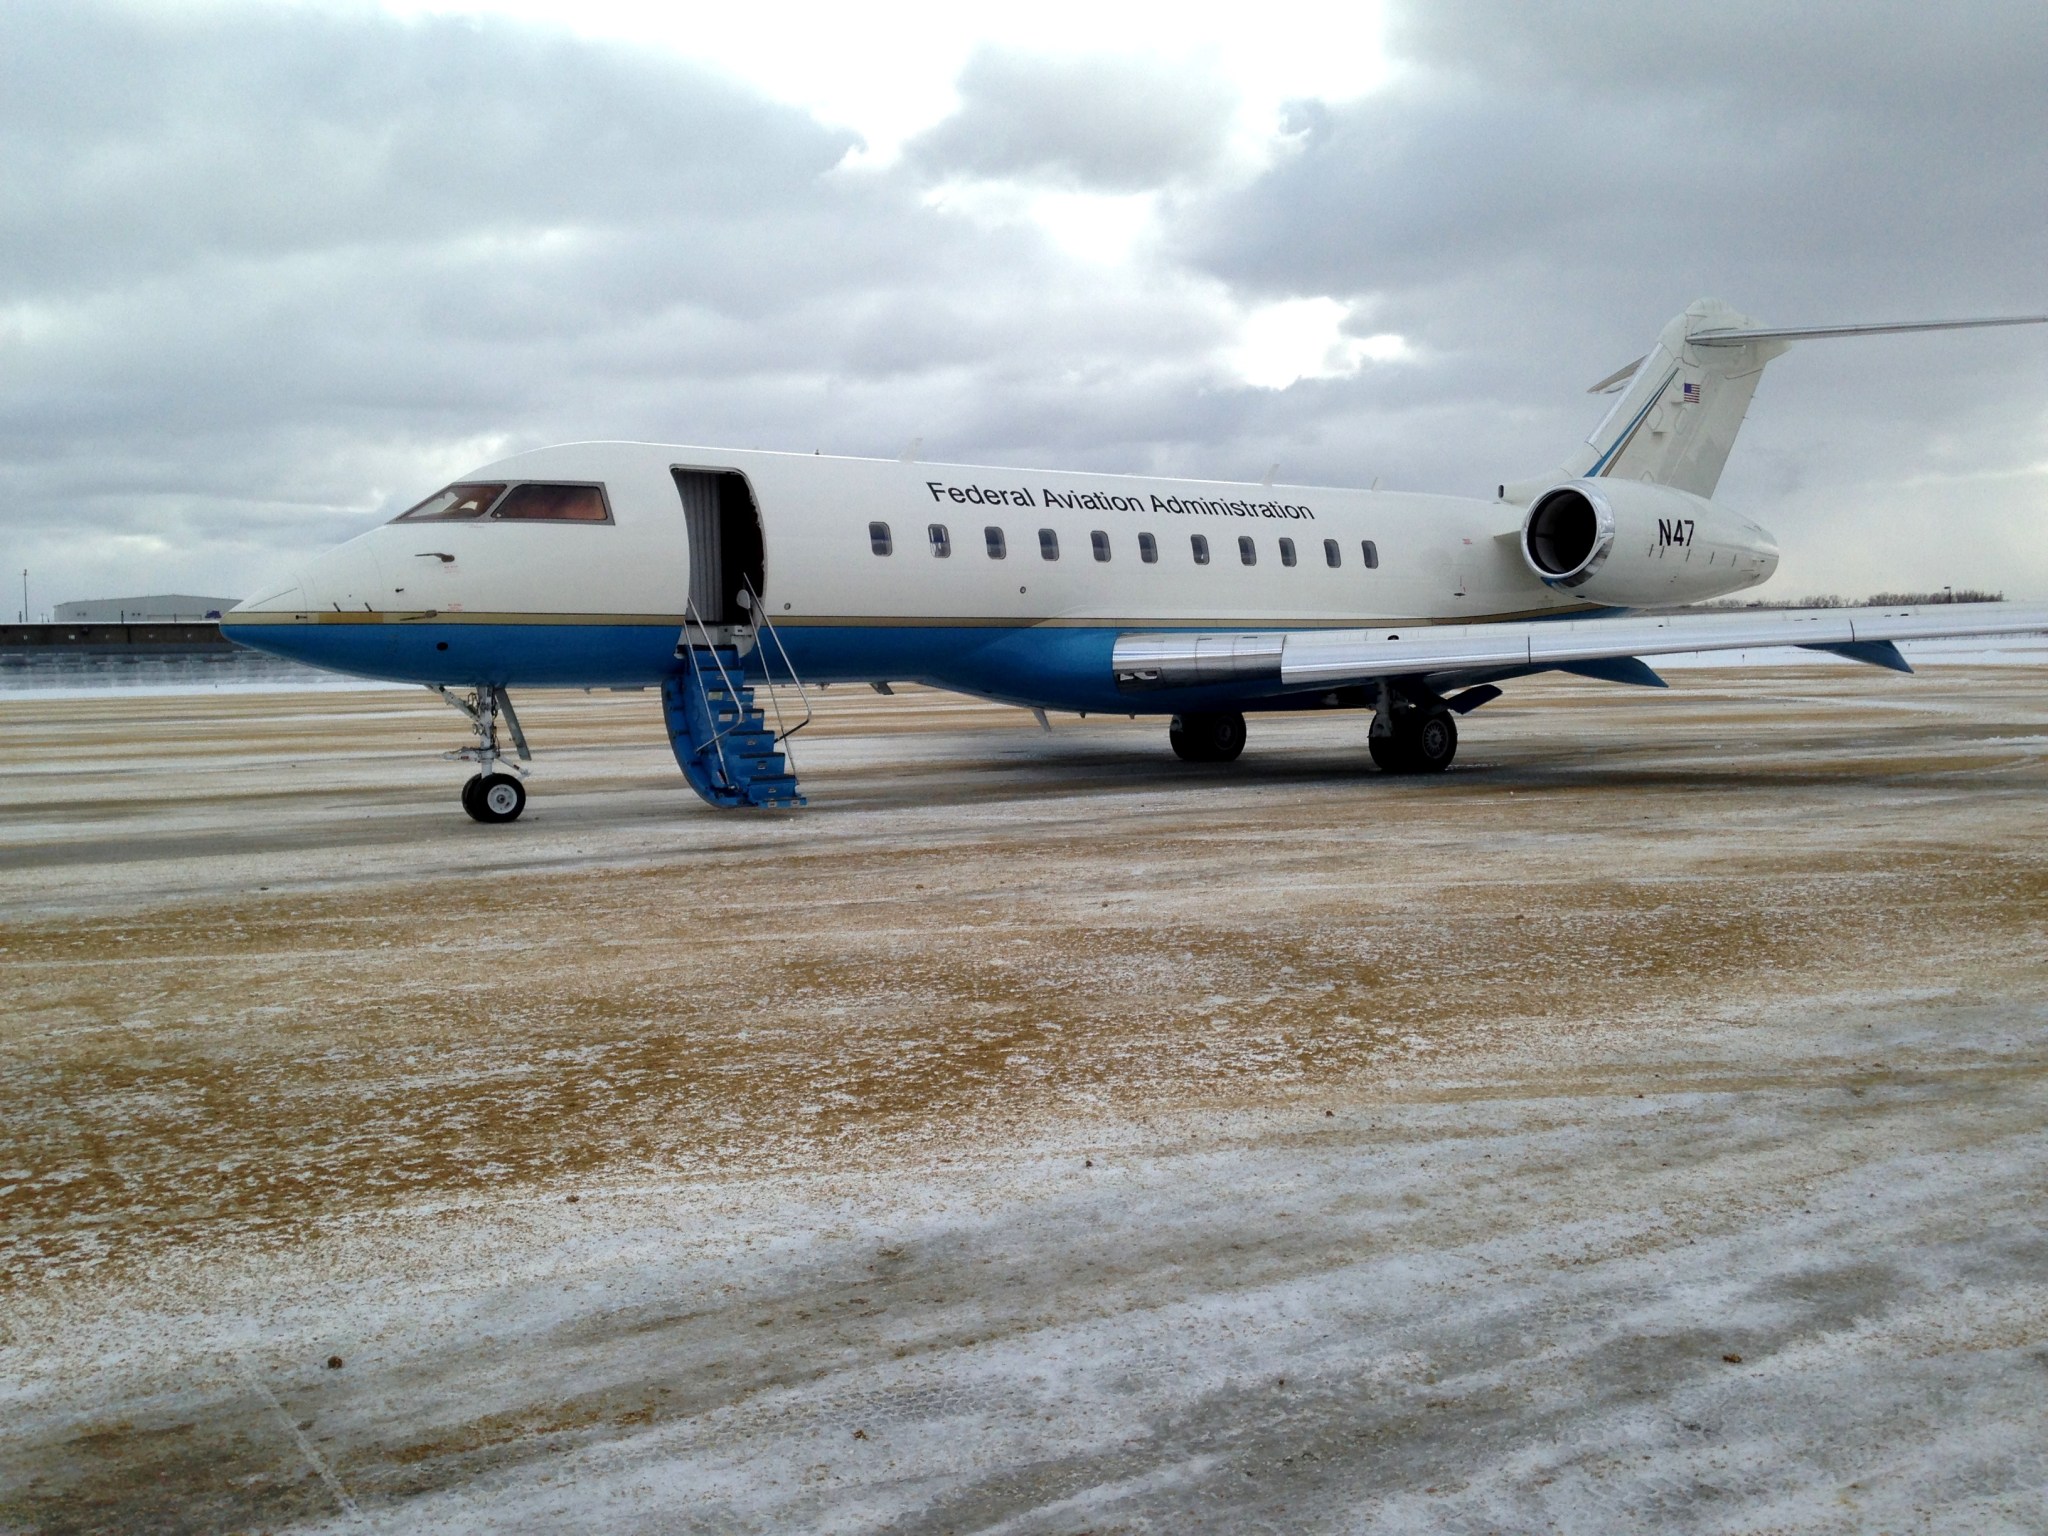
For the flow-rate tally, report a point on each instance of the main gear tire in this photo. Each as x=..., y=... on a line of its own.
x=1207, y=737
x=1389, y=754
x=1434, y=742
x=1426, y=745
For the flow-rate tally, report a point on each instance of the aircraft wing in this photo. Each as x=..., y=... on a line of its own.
x=1334, y=658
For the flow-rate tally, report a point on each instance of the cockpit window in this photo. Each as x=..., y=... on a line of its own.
x=491, y=501
x=537, y=503
x=457, y=503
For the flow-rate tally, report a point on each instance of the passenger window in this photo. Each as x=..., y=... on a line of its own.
x=1101, y=542
x=1247, y=551
x=1200, y=544
x=1332, y=555
x=942, y=541
x=878, y=538
x=996, y=548
x=1372, y=555
x=454, y=504
x=1287, y=551
x=1048, y=544
x=1148, y=549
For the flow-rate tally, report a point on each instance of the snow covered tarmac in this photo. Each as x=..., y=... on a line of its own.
x=1036, y=1134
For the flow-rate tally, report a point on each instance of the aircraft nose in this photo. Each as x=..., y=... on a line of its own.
x=330, y=612
x=280, y=594
x=269, y=620
x=345, y=578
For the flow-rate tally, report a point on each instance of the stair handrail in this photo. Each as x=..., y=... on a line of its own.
x=717, y=740
x=764, y=624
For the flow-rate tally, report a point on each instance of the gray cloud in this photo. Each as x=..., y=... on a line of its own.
x=1528, y=199
x=1850, y=53
x=267, y=274
x=137, y=141
x=297, y=266
x=1100, y=124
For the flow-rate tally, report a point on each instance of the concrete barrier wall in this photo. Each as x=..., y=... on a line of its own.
x=104, y=639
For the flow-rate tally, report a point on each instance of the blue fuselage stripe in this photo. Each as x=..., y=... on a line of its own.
x=1054, y=668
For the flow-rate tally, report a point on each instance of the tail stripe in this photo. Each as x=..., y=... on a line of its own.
x=1621, y=442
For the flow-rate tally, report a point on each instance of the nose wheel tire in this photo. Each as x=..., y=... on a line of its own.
x=494, y=798
x=1426, y=746
x=1207, y=738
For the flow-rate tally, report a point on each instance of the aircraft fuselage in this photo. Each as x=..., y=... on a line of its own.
x=1010, y=584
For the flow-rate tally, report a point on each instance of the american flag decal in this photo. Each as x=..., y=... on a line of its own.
x=1691, y=395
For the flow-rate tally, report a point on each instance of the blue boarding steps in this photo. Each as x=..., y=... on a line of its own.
x=721, y=740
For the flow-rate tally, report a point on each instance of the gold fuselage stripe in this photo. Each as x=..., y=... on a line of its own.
x=674, y=621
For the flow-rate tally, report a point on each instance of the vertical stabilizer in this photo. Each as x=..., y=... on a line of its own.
x=1681, y=406
x=1675, y=419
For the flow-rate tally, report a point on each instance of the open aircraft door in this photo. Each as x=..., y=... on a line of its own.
x=726, y=547
x=729, y=749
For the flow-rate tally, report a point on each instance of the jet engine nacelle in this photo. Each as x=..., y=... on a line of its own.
x=1633, y=544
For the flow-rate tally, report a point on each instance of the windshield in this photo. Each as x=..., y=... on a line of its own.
x=534, y=501
x=455, y=503
x=553, y=504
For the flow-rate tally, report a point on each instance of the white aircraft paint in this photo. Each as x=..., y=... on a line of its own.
x=1035, y=587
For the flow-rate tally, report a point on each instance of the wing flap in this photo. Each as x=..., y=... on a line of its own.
x=1316, y=658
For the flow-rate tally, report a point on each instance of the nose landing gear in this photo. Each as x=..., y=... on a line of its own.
x=491, y=796
x=494, y=797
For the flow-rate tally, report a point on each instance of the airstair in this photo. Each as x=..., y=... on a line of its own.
x=722, y=739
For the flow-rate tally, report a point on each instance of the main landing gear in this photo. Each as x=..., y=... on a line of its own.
x=1411, y=738
x=1206, y=737
x=1406, y=737
x=491, y=796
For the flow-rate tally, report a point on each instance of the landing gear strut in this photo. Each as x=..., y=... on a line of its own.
x=1408, y=738
x=1207, y=738
x=491, y=796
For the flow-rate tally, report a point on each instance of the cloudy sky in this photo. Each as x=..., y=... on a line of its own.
x=269, y=272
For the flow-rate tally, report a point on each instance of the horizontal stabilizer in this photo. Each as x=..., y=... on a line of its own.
x=1732, y=336
x=1619, y=377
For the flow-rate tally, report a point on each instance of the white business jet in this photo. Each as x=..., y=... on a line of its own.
x=704, y=572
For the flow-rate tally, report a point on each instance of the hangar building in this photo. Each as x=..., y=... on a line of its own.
x=164, y=608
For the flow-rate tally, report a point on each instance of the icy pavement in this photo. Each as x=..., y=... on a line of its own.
x=1643, y=1127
